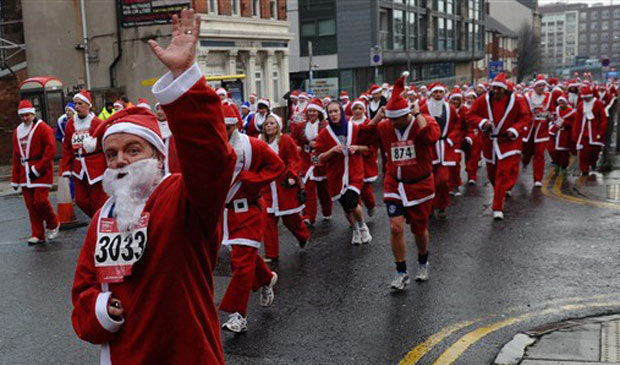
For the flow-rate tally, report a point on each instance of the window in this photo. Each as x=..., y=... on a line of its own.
x=327, y=27
x=258, y=79
x=212, y=7
x=593, y=49
x=605, y=14
x=384, y=29
x=593, y=37
x=615, y=47
x=583, y=16
x=450, y=6
x=255, y=8
x=604, y=48
x=235, y=6
x=308, y=29
x=450, y=35
x=571, y=17
x=616, y=24
x=413, y=31
x=273, y=9
x=593, y=27
x=594, y=15
x=440, y=27
x=276, y=84
x=605, y=25
x=399, y=29
x=616, y=13
x=604, y=37
x=583, y=27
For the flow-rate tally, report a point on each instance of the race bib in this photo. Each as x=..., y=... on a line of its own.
x=77, y=139
x=403, y=153
x=116, y=252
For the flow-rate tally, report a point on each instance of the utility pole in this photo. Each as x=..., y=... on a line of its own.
x=407, y=40
x=310, y=65
x=473, y=48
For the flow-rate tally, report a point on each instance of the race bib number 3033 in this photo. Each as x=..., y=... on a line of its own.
x=403, y=153
x=116, y=252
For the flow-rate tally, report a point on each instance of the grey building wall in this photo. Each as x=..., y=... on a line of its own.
x=356, y=26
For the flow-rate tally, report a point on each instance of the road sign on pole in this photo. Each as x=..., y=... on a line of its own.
x=376, y=56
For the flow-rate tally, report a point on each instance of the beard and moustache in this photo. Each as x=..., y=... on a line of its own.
x=130, y=187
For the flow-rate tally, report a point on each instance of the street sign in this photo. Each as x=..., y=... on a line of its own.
x=376, y=56
x=495, y=67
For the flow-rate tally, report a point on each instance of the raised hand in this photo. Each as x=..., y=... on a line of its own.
x=181, y=52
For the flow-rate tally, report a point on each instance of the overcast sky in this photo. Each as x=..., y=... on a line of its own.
x=590, y=2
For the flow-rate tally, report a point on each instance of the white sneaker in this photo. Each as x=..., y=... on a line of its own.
x=498, y=215
x=365, y=235
x=236, y=323
x=266, y=292
x=308, y=223
x=471, y=182
x=400, y=281
x=53, y=233
x=538, y=184
x=356, y=238
x=372, y=211
x=457, y=191
x=327, y=218
x=422, y=274
x=34, y=240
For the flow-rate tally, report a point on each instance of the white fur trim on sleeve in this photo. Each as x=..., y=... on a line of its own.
x=168, y=89
x=469, y=140
x=482, y=123
x=66, y=174
x=514, y=131
x=101, y=311
x=34, y=171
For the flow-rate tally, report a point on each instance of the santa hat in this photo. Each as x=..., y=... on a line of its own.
x=25, y=107
x=553, y=81
x=456, y=93
x=71, y=106
x=358, y=102
x=221, y=91
x=327, y=99
x=315, y=104
x=264, y=102
x=374, y=88
x=230, y=114
x=471, y=92
x=277, y=118
x=294, y=95
x=119, y=104
x=562, y=98
x=511, y=85
x=482, y=86
x=436, y=87
x=602, y=87
x=253, y=94
x=143, y=103
x=85, y=96
x=412, y=90
x=573, y=83
x=365, y=96
x=540, y=79
x=500, y=81
x=397, y=106
x=304, y=95
x=137, y=121
x=586, y=92
x=344, y=95
x=245, y=105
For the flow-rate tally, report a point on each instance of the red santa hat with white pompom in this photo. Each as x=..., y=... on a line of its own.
x=398, y=106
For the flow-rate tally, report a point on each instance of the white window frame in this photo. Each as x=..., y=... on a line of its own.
x=258, y=80
x=256, y=8
x=212, y=7
x=273, y=9
x=275, y=72
x=235, y=7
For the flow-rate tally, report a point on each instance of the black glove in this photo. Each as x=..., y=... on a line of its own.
x=465, y=146
x=15, y=188
x=32, y=176
x=301, y=196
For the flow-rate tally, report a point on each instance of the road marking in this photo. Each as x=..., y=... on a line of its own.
x=556, y=192
x=422, y=349
x=456, y=350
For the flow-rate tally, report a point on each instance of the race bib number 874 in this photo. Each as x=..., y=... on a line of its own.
x=403, y=153
x=116, y=252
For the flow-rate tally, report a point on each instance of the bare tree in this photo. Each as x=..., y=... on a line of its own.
x=528, y=57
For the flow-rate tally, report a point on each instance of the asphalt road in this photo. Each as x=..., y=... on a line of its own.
x=551, y=259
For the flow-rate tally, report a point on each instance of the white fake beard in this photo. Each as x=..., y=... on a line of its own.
x=130, y=187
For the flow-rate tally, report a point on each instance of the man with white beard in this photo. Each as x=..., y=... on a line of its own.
x=143, y=286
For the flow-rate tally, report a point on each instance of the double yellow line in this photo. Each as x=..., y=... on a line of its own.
x=458, y=348
x=556, y=192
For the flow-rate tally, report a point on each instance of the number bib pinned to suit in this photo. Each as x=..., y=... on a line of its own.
x=116, y=252
x=403, y=153
x=77, y=139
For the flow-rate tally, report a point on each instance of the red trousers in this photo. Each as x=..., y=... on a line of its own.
x=474, y=158
x=561, y=158
x=294, y=223
x=249, y=273
x=89, y=197
x=40, y=210
x=314, y=188
x=503, y=175
x=455, y=176
x=536, y=150
x=588, y=157
x=368, y=196
x=442, y=186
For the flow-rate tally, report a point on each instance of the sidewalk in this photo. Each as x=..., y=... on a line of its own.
x=586, y=341
x=5, y=180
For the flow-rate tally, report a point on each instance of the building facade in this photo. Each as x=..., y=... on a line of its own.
x=433, y=39
x=501, y=46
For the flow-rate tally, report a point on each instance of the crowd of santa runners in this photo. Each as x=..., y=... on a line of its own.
x=167, y=187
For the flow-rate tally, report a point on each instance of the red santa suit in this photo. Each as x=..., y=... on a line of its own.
x=282, y=200
x=445, y=154
x=312, y=170
x=502, y=146
x=345, y=171
x=410, y=152
x=589, y=130
x=561, y=130
x=255, y=125
x=256, y=167
x=537, y=138
x=605, y=97
x=371, y=168
x=169, y=311
x=34, y=147
x=83, y=159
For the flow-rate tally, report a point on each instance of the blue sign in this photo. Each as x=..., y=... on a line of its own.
x=612, y=74
x=495, y=67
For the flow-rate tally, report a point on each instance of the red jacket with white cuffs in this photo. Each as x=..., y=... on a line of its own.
x=304, y=134
x=345, y=171
x=445, y=152
x=509, y=118
x=256, y=167
x=169, y=311
x=540, y=107
x=562, y=128
x=591, y=124
x=280, y=198
x=371, y=168
x=33, y=151
x=82, y=155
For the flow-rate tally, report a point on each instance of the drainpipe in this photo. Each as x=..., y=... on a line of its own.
x=118, y=45
x=85, y=40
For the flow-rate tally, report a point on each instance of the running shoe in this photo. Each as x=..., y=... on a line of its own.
x=400, y=281
x=266, y=292
x=236, y=323
x=422, y=274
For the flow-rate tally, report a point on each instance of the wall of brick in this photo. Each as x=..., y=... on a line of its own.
x=224, y=7
x=281, y=9
x=246, y=8
x=200, y=6
x=9, y=99
x=265, y=13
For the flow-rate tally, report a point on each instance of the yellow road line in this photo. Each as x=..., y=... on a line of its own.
x=420, y=350
x=456, y=350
